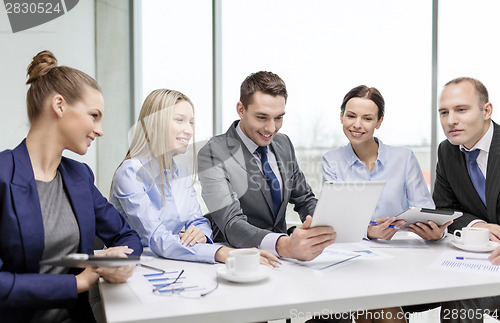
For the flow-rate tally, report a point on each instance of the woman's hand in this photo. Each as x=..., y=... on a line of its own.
x=385, y=229
x=115, y=275
x=121, y=251
x=192, y=236
x=222, y=254
x=86, y=280
x=268, y=259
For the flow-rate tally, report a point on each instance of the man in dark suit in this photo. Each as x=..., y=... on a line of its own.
x=468, y=174
x=250, y=174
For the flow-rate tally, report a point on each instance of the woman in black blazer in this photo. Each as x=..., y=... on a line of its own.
x=65, y=107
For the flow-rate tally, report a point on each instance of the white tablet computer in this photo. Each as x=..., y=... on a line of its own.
x=417, y=214
x=348, y=207
x=84, y=260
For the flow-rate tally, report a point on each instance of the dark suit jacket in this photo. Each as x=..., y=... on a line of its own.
x=237, y=195
x=454, y=189
x=22, y=289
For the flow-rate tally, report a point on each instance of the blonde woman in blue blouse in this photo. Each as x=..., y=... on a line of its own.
x=156, y=194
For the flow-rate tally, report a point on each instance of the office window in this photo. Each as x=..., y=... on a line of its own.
x=176, y=54
x=469, y=46
x=322, y=49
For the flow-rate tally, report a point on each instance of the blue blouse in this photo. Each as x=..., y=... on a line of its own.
x=397, y=166
x=137, y=194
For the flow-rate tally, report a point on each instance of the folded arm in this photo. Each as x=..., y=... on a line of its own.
x=157, y=220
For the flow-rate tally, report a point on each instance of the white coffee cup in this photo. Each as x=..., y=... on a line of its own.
x=472, y=236
x=243, y=262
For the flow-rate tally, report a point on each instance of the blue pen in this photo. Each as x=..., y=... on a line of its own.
x=390, y=226
x=471, y=258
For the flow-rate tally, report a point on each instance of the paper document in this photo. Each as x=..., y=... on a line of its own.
x=363, y=249
x=191, y=283
x=466, y=262
x=399, y=242
x=330, y=258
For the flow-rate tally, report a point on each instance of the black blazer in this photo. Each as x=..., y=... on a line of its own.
x=237, y=195
x=22, y=288
x=454, y=189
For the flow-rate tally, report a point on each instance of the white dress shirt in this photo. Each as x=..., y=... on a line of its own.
x=396, y=166
x=482, y=158
x=270, y=240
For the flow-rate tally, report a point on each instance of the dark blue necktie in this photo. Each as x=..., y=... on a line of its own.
x=271, y=179
x=475, y=174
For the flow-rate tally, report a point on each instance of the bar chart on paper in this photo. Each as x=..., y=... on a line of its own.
x=467, y=265
x=149, y=287
x=466, y=262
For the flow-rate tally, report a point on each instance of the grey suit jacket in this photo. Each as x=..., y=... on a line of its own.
x=236, y=193
x=454, y=189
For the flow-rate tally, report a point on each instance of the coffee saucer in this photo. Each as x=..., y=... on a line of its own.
x=492, y=245
x=260, y=274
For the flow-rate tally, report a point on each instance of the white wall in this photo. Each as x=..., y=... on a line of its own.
x=70, y=37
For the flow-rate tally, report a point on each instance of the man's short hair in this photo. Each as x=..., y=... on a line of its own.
x=265, y=82
x=482, y=92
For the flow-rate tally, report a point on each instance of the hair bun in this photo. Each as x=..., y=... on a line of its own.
x=42, y=63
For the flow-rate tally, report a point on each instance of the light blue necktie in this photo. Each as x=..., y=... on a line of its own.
x=271, y=179
x=475, y=174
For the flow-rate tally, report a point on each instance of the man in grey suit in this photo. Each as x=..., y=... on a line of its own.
x=250, y=174
x=468, y=176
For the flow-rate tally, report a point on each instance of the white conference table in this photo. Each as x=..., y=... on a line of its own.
x=298, y=292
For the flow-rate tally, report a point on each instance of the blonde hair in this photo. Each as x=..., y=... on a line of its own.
x=153, y=126
x=45, y=78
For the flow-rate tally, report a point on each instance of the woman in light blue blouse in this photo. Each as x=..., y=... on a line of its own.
x=155, y=193
x=366, y=158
